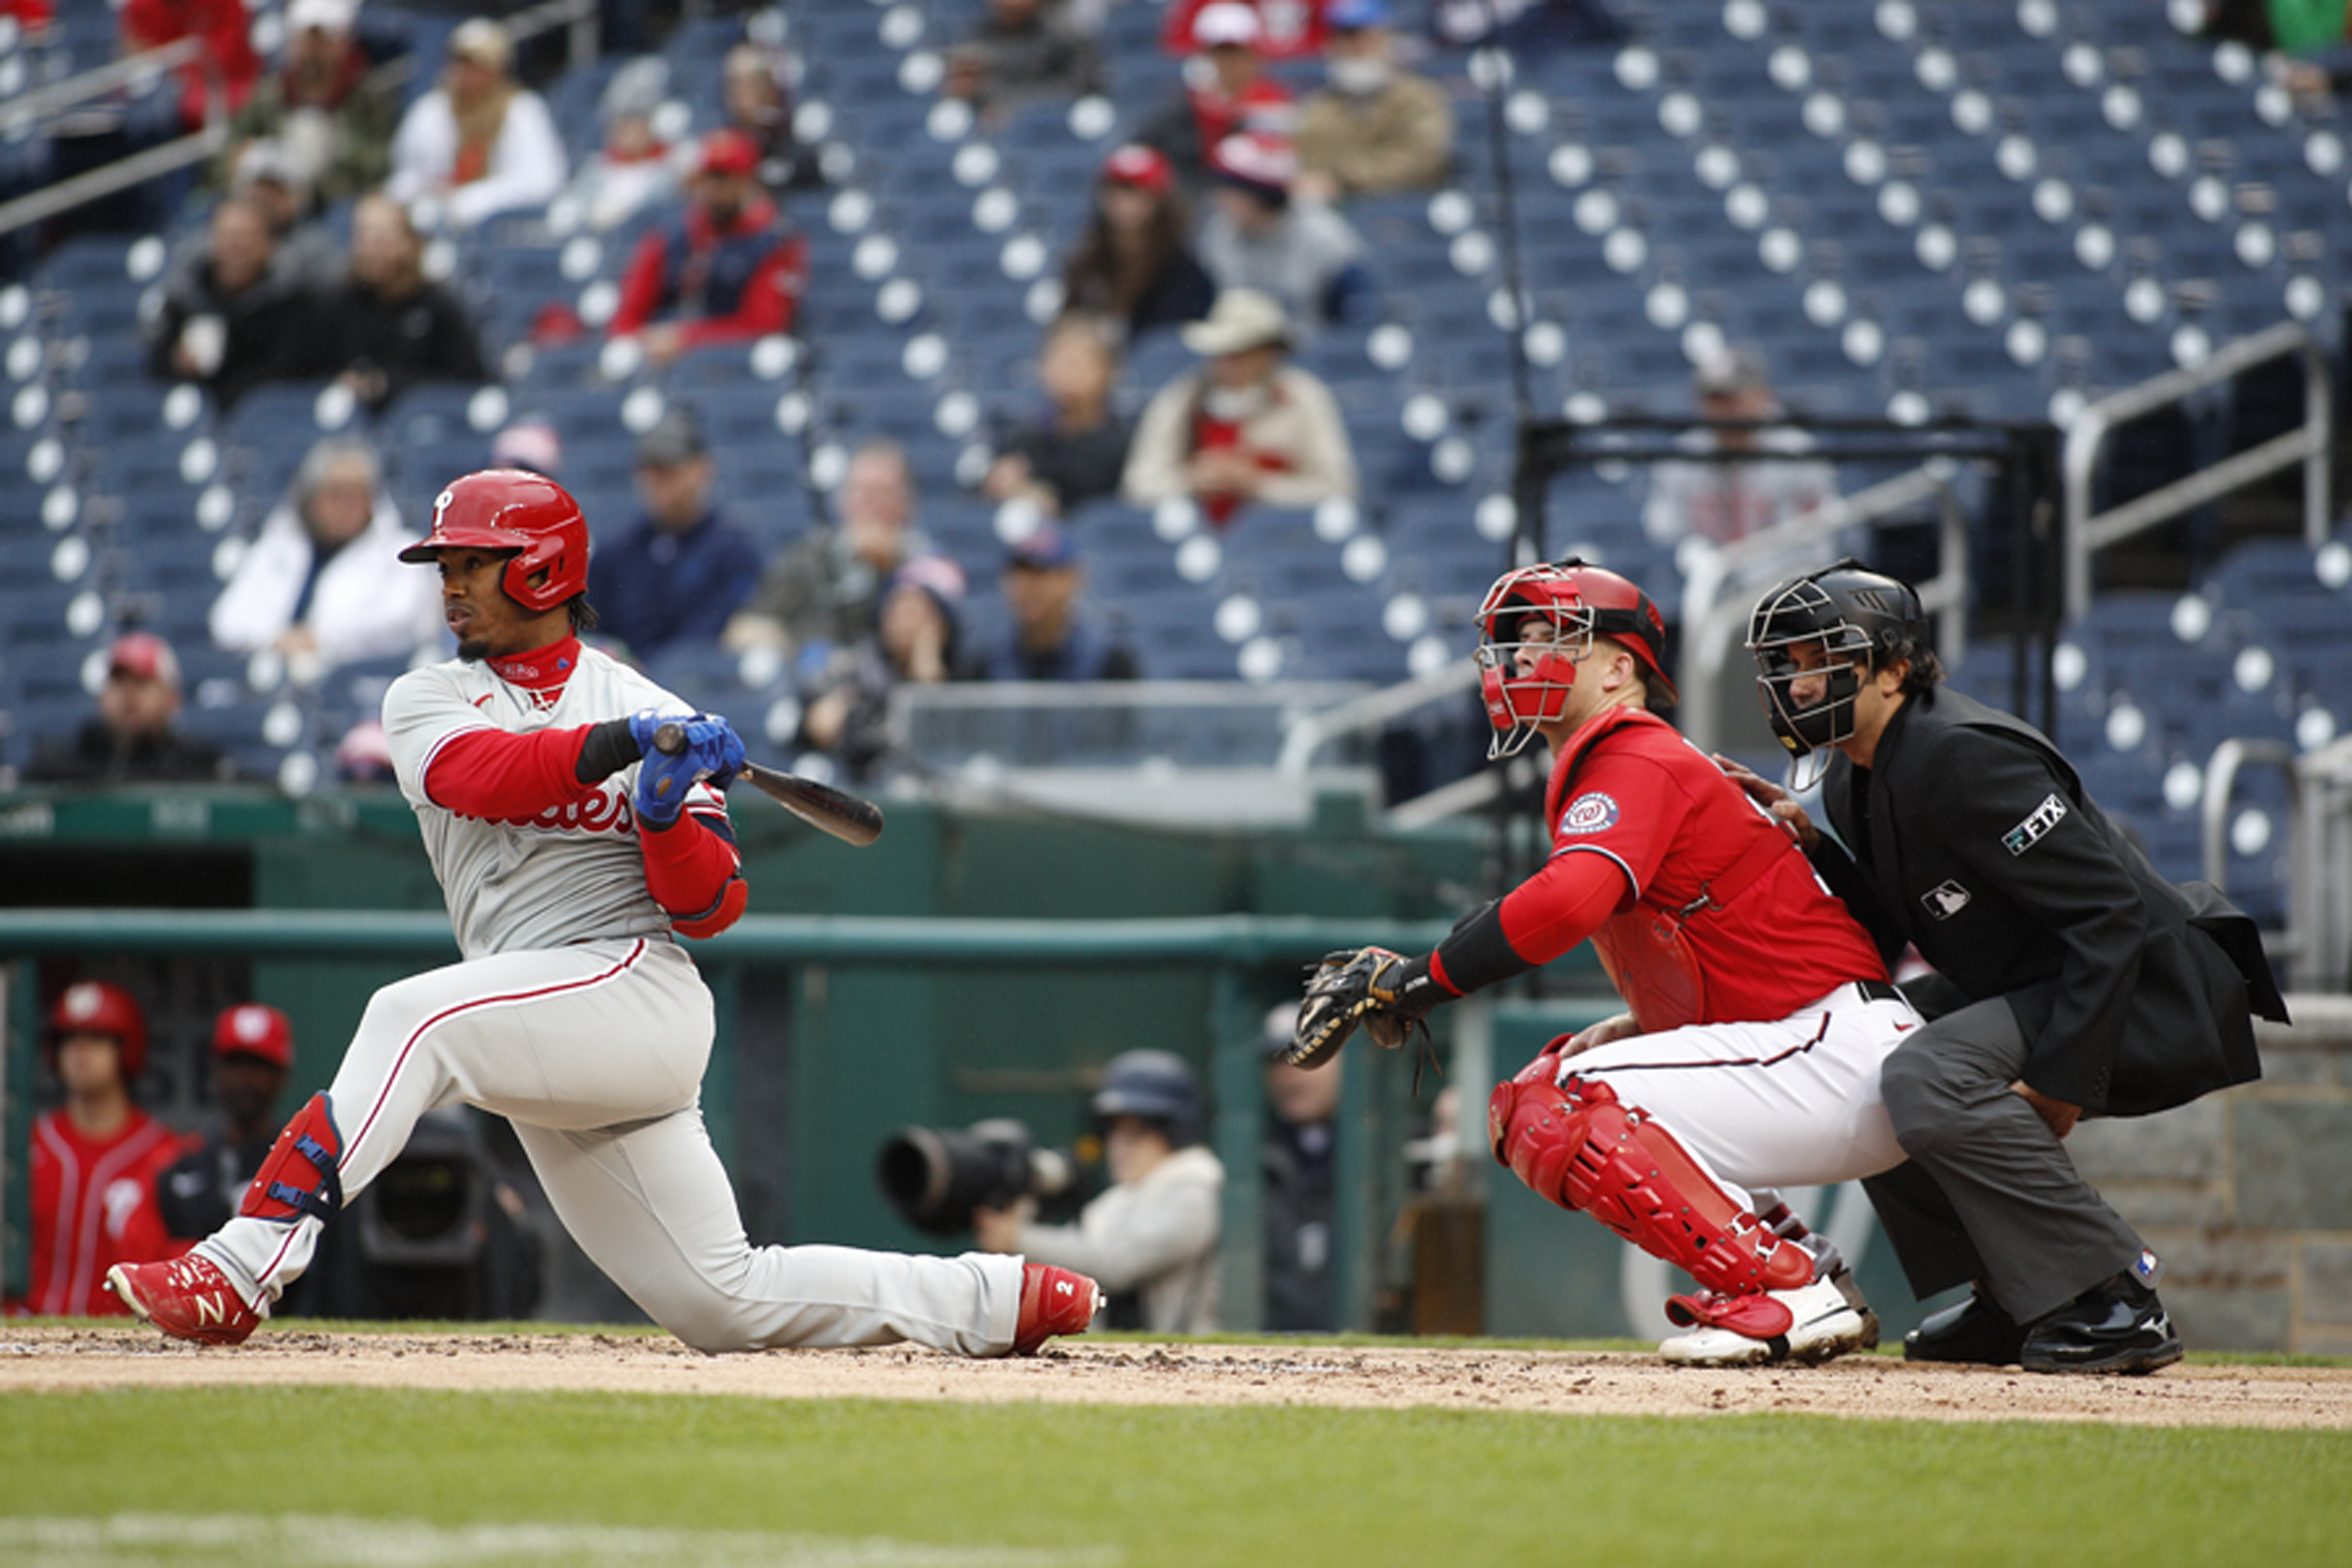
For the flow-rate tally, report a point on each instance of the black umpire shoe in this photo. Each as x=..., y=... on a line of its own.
x=2117, y=1327
x=1977, y=1331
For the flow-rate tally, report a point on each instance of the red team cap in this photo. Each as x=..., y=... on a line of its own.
x=1256, y=161
x=253, y=1030
x=1140, y=166
x=726, y=152
x=96, y=1007
x=1226, y=25
x=145, y=655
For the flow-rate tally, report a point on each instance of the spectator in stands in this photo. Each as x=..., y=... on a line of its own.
x=322, y=583
x=234, y=318
x=307, y=253
x=1020, y=52
x=635, y=168
x=480, y=143
x=1052, y=636
x=94, y=1158
x=387, y=326
x=1713, y=504
x=1134, y=265
x=758, y=95
x=727, y=268
x=846, y=695
x=1302, y=253
x=1077, y=451
x=1298, y=1163
x=681, y=570
x=134, y=737
x=253, y=1055
x=531, y=443
x=1379, y=127
x=1231, y=93
x=826, y=587
x=223, y=31
x=1248, y=426
x=326, y=107
x=1287, y=29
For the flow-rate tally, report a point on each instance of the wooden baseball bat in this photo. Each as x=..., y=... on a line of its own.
x=822, y=806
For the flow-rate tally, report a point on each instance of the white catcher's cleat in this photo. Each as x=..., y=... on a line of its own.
x=1813, y=1323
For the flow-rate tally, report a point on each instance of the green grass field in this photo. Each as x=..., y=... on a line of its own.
x=344, y=1477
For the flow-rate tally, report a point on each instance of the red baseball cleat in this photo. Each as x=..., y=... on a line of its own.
x=1053, y=1301
x=188, y=1298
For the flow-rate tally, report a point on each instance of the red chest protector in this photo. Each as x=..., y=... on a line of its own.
x=1645, y=948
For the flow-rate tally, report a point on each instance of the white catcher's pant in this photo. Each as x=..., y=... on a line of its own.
x=1792, y=1103
x=596, y=1053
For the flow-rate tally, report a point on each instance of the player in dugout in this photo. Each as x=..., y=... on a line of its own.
x=1758, y=1010
x=573, y=854
x=2070, y=979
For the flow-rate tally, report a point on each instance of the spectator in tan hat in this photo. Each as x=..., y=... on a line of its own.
x=481, y=143
x=1227, y=91
x=725, y=269
x=1378, y=127
x=1256, y=237
x=135, y=736
x=1134, y=266
x=1246, y=426
x=326, y=106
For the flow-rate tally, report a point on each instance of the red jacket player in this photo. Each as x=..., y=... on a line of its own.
x=1758, y=1011
x=95, y=1158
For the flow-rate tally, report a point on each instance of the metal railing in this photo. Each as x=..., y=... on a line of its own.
x=1711, y=622
x=2086, y=534
x=96, y=184
x=2317, y=942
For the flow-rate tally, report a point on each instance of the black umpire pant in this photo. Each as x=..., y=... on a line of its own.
x=1988, y=1193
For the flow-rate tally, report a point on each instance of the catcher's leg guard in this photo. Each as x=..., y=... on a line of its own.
x=300, y=1175
x=1576, y=1146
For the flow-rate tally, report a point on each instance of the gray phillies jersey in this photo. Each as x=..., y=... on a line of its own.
x=570, y=873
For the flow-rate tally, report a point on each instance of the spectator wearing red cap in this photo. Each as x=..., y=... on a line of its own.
x=1227, y=91
x=726, y=268
x=1379, y=127
x=1018, y=53
x=134, y=737
x=1134, y=266
x=1304, y=254
x=95, y=1157
x=253, y=1055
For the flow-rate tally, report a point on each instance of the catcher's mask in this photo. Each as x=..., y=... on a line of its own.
x=1858, y=620
x=1579, y=602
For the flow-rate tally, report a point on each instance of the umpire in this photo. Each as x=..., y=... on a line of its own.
x=2071, y=980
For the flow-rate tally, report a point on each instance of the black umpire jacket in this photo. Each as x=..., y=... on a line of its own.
x=1971, y=838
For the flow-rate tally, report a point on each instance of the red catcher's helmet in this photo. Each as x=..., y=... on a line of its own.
x=1584, y=602
x=95, y=1007
x=511, y=508
x=250, y=1029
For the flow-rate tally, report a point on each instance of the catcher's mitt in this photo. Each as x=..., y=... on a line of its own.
x=1384, y=992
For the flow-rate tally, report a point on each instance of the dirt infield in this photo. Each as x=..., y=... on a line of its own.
x=1557, y=1381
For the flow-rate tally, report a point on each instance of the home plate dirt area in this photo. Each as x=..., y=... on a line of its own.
x=40, y=1358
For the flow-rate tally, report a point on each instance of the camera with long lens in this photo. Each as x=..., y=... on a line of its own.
x=937, y=1176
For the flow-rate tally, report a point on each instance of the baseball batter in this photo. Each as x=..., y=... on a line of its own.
x=1758, y=1011
x=574, y=855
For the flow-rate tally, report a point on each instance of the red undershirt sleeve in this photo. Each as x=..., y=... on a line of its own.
x=1541, y=918
x=499, y=773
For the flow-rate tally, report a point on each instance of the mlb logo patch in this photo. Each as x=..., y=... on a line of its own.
x=2038, y=822
x=2147, y=1267
x=1946, y=899
x=1592, y=812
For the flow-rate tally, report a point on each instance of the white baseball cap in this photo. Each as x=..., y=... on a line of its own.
x=327, y=16
x=1226, y=22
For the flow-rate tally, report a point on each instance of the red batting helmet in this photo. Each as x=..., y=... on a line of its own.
x=511, y=508
x=96, y=1007
x=251, y=1030
x=1584, y=602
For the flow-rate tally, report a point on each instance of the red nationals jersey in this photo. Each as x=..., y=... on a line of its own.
x=1723, y=919
x=94, y=1206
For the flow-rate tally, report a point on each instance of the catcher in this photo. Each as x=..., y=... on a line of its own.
x=1759, y=1012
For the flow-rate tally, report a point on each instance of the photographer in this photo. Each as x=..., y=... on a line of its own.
x=1151, y=1239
